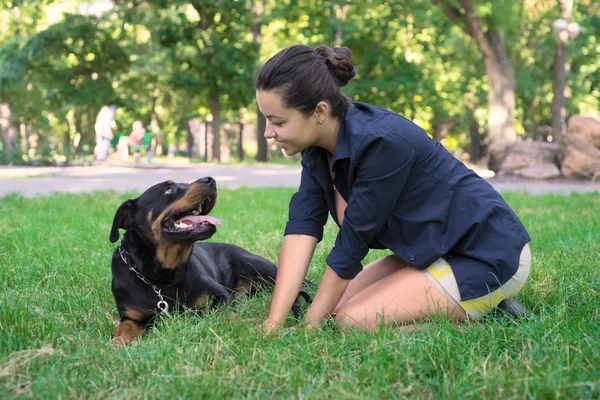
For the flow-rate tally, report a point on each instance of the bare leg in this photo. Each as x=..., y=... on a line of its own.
x=402, y=297
x=370, y=274
x=391, y=289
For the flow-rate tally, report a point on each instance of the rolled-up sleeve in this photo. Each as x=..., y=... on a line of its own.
x=308, y=208
x=384, y=166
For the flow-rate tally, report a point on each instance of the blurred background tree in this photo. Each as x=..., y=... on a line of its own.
x=467, y=72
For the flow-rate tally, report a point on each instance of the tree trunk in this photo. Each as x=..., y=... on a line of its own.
x=215, y=107
x=258, y=9
x=440, y=129
x=206, y=141
x=501, y=95
x=500, y=72
x=558, y=88
x=216, y=127
x=475, y=136
x=228, y=132
x=559, y=84
x=262, y=153
x=24, y=138
x=189, y=138
x=241, y=142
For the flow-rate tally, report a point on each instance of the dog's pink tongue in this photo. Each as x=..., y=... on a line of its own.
x=197, y=219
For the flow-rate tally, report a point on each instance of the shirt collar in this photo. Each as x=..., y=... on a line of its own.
x=342, y=144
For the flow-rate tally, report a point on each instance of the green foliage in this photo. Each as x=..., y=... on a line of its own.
x=76, y=61
x=170, y=58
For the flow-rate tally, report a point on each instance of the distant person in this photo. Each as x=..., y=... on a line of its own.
x=457, y=249
x=135, y=138
x=105, y=122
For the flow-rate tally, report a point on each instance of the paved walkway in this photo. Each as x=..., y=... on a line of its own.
x=35, y=181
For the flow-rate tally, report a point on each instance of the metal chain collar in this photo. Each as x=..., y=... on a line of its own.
x=162, y=305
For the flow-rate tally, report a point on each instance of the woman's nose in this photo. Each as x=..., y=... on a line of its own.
x=269, y=132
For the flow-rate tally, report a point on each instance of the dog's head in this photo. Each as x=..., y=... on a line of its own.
x=170, y=213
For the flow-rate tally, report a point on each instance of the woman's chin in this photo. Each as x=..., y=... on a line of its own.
x=289, y=151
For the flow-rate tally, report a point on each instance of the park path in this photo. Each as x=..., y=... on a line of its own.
x=37, y=181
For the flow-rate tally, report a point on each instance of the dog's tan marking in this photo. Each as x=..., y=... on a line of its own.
x=135, y=315
x=202, y=302
x=127, y=332
x=173, y=254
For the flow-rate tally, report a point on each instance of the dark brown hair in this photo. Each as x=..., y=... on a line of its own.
x=303, y=76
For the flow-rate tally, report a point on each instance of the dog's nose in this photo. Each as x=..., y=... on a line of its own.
x=208, y=181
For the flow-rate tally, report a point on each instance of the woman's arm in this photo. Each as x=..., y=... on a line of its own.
x=330, y=291
x=294, y=259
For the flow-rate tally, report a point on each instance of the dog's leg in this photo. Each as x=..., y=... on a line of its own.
x=243, y=287
x=127, y=331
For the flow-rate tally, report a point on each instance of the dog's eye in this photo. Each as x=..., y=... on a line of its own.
x=168, y=191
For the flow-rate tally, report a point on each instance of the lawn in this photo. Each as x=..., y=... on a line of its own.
x=57, y=317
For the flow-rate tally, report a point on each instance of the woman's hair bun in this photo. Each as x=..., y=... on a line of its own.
x=339, y=61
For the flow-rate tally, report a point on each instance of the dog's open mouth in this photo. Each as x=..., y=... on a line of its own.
x=193, y=221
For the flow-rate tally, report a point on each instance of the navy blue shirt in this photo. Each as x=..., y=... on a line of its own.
x=406, y=193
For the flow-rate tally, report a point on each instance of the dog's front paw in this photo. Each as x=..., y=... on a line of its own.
x=127, y=332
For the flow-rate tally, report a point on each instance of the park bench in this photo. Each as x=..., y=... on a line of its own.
x=142, y=148
x=137, y=150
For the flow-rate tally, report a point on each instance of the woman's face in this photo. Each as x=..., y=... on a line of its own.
x=290, y=128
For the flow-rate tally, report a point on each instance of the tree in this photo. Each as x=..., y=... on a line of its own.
x=258, y=12
x=75, y=61
x=484, y=25
x=211, y=52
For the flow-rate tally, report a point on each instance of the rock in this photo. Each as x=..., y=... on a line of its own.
x=586, y=127
x=577, y=157
x=527, y=154
x=542, y=171
x=497, y=152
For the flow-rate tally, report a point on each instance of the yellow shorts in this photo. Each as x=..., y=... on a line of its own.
x=441, y=276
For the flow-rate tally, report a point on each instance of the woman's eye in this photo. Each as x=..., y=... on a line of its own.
x=168, y=191
x=277, y=123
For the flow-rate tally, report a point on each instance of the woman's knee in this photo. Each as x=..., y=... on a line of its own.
x=344, y=319
x=353, y=317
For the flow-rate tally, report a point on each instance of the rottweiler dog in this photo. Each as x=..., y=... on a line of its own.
x=160, y=264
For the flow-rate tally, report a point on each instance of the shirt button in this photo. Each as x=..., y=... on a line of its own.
x=413, y=258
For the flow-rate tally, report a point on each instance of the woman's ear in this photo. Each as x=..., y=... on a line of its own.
x=322, y=110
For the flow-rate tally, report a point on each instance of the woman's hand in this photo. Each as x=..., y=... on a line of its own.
x=330, y=291
x=271, y=326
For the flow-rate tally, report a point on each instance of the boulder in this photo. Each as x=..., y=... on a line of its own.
x=542, y=171
x=586, y=127
x=497, y=152
x=578, y=158
x=527, y=154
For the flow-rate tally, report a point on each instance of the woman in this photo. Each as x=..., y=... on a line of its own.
x=458, y=249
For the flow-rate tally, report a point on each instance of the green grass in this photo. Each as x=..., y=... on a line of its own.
x=57, y=317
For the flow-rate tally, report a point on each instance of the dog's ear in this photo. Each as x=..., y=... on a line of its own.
x=122, y=219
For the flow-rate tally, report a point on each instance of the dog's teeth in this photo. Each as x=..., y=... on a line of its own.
x=195, y=212
x=181, y=225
